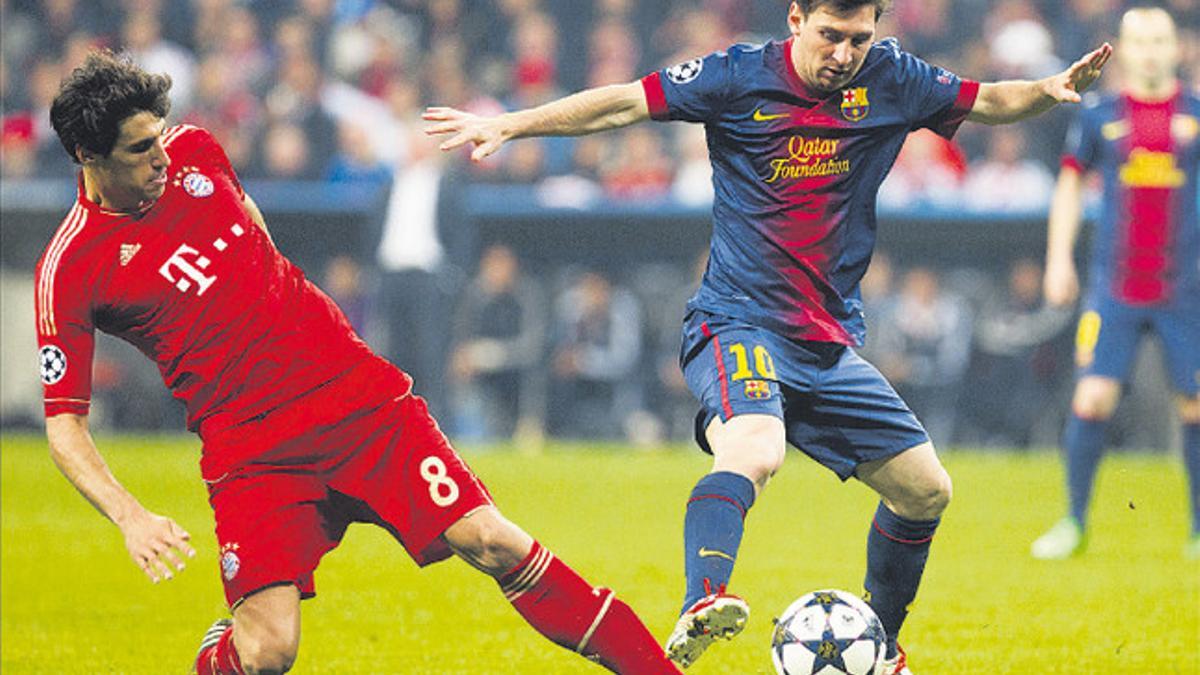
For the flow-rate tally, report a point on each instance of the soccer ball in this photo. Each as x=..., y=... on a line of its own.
x=828, y=632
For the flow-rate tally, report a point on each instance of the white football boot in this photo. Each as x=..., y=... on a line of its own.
x=717, y=616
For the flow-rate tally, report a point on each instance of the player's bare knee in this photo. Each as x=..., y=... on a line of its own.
x=267, y=650
x=925, y=500
x=1095, y=399
x=489, y=542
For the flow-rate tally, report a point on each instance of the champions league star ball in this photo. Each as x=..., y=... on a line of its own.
x=828, y=633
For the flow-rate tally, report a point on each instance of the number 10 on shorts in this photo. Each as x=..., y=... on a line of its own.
x=442, y=488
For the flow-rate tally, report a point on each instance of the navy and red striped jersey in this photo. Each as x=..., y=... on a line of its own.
x=235, y=328
x=1146, y=246
x=796, y=173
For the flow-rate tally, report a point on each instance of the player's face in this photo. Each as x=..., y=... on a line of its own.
x=1148, y=48
x=830, y=47
x=135, y=172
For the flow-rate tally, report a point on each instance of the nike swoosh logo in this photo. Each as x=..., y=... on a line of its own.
x=760, y=117
x=711, y=553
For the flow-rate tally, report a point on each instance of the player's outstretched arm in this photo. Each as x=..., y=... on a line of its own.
x=584, y=112
x=1014, y=100
x=153, y=541
x=1061, y=282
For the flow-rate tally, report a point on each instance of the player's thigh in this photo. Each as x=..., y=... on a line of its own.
x=751, y=445
x=266, y=630
x=913, y=483
x=408, y=478
x=853, y=417
x=730, y=368
x=1178, y=326
x=1106, y=339
x=273, y=525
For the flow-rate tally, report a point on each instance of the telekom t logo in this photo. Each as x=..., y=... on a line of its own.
x=193, y=270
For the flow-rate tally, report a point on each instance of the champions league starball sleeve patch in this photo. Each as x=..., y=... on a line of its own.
x=682, y=73
x=52, y=363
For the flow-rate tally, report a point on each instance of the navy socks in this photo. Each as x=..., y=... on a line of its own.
x=712, y=532
x=1084, y=443
x=897, y=549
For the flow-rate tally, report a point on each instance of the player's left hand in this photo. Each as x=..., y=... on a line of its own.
x=487, y=134
x=1067, y=86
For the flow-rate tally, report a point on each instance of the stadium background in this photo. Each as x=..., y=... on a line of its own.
x=317, y=103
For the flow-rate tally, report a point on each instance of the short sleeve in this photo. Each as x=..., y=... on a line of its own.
x=198, y=146
x=692, y=91
x=1082, y=146
x=66, y=342
x=932, y=97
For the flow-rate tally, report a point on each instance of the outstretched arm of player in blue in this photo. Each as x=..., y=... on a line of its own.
x=584, y=112
x=153, y=541
x=1014, y=100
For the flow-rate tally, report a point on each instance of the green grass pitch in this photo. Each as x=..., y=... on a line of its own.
x=73, y=603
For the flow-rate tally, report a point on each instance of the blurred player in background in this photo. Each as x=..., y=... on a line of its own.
x=800, y=134
x=1144, y=274
x=304, y=429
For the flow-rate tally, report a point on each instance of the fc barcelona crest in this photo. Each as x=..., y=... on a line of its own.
x=758, y=389
x=855, y=105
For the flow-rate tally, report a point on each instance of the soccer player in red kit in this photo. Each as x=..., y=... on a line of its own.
x=304, y=429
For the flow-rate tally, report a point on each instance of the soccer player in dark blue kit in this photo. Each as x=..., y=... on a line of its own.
x=1145, y=265
x=801, y=132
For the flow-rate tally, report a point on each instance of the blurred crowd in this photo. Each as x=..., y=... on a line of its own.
x=332, y=90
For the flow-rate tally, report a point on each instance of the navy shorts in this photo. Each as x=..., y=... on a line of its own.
x=1109, y=332
x=836, y=407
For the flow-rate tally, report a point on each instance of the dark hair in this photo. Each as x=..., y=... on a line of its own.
x=100, y=94
x=881, y=6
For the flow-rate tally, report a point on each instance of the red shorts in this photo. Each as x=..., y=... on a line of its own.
x=278, y=514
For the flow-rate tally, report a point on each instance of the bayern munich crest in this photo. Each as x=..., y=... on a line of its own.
x=198, y=185
x=53, y=364
x=682, y=73
x=230, y=562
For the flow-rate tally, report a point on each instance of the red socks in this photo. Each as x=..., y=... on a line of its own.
x=560, y=605
x=221, y=658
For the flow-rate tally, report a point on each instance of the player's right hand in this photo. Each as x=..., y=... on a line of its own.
x=1061, y=283
x=485, y=133
x=155, y=543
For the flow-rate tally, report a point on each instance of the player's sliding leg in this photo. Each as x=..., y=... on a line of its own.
x=915, y=490
x=1189, y=414
x=554, y=599
x=263, y=637
x=747, y=450
x=1083, y=442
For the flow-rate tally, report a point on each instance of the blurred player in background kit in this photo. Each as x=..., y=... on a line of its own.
x=304, y=429
x=800, y=133
x=1144, y=274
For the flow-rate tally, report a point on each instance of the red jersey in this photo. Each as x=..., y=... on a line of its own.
x=235, y=328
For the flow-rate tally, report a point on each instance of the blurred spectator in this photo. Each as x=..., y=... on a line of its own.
x=142, y=38
x=928, y=171
x=642, y=170
x=597, y=346
x=535, y=52
x=613, y=53
x=693, y=177
x=296, y=99
x=356, y=161
x=495, y=363
x=1018, y=360
x=1005, y=180
x=879, y=305
x=342, y=281
x=924, y=344
x=284, y=155
x=18, y=150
